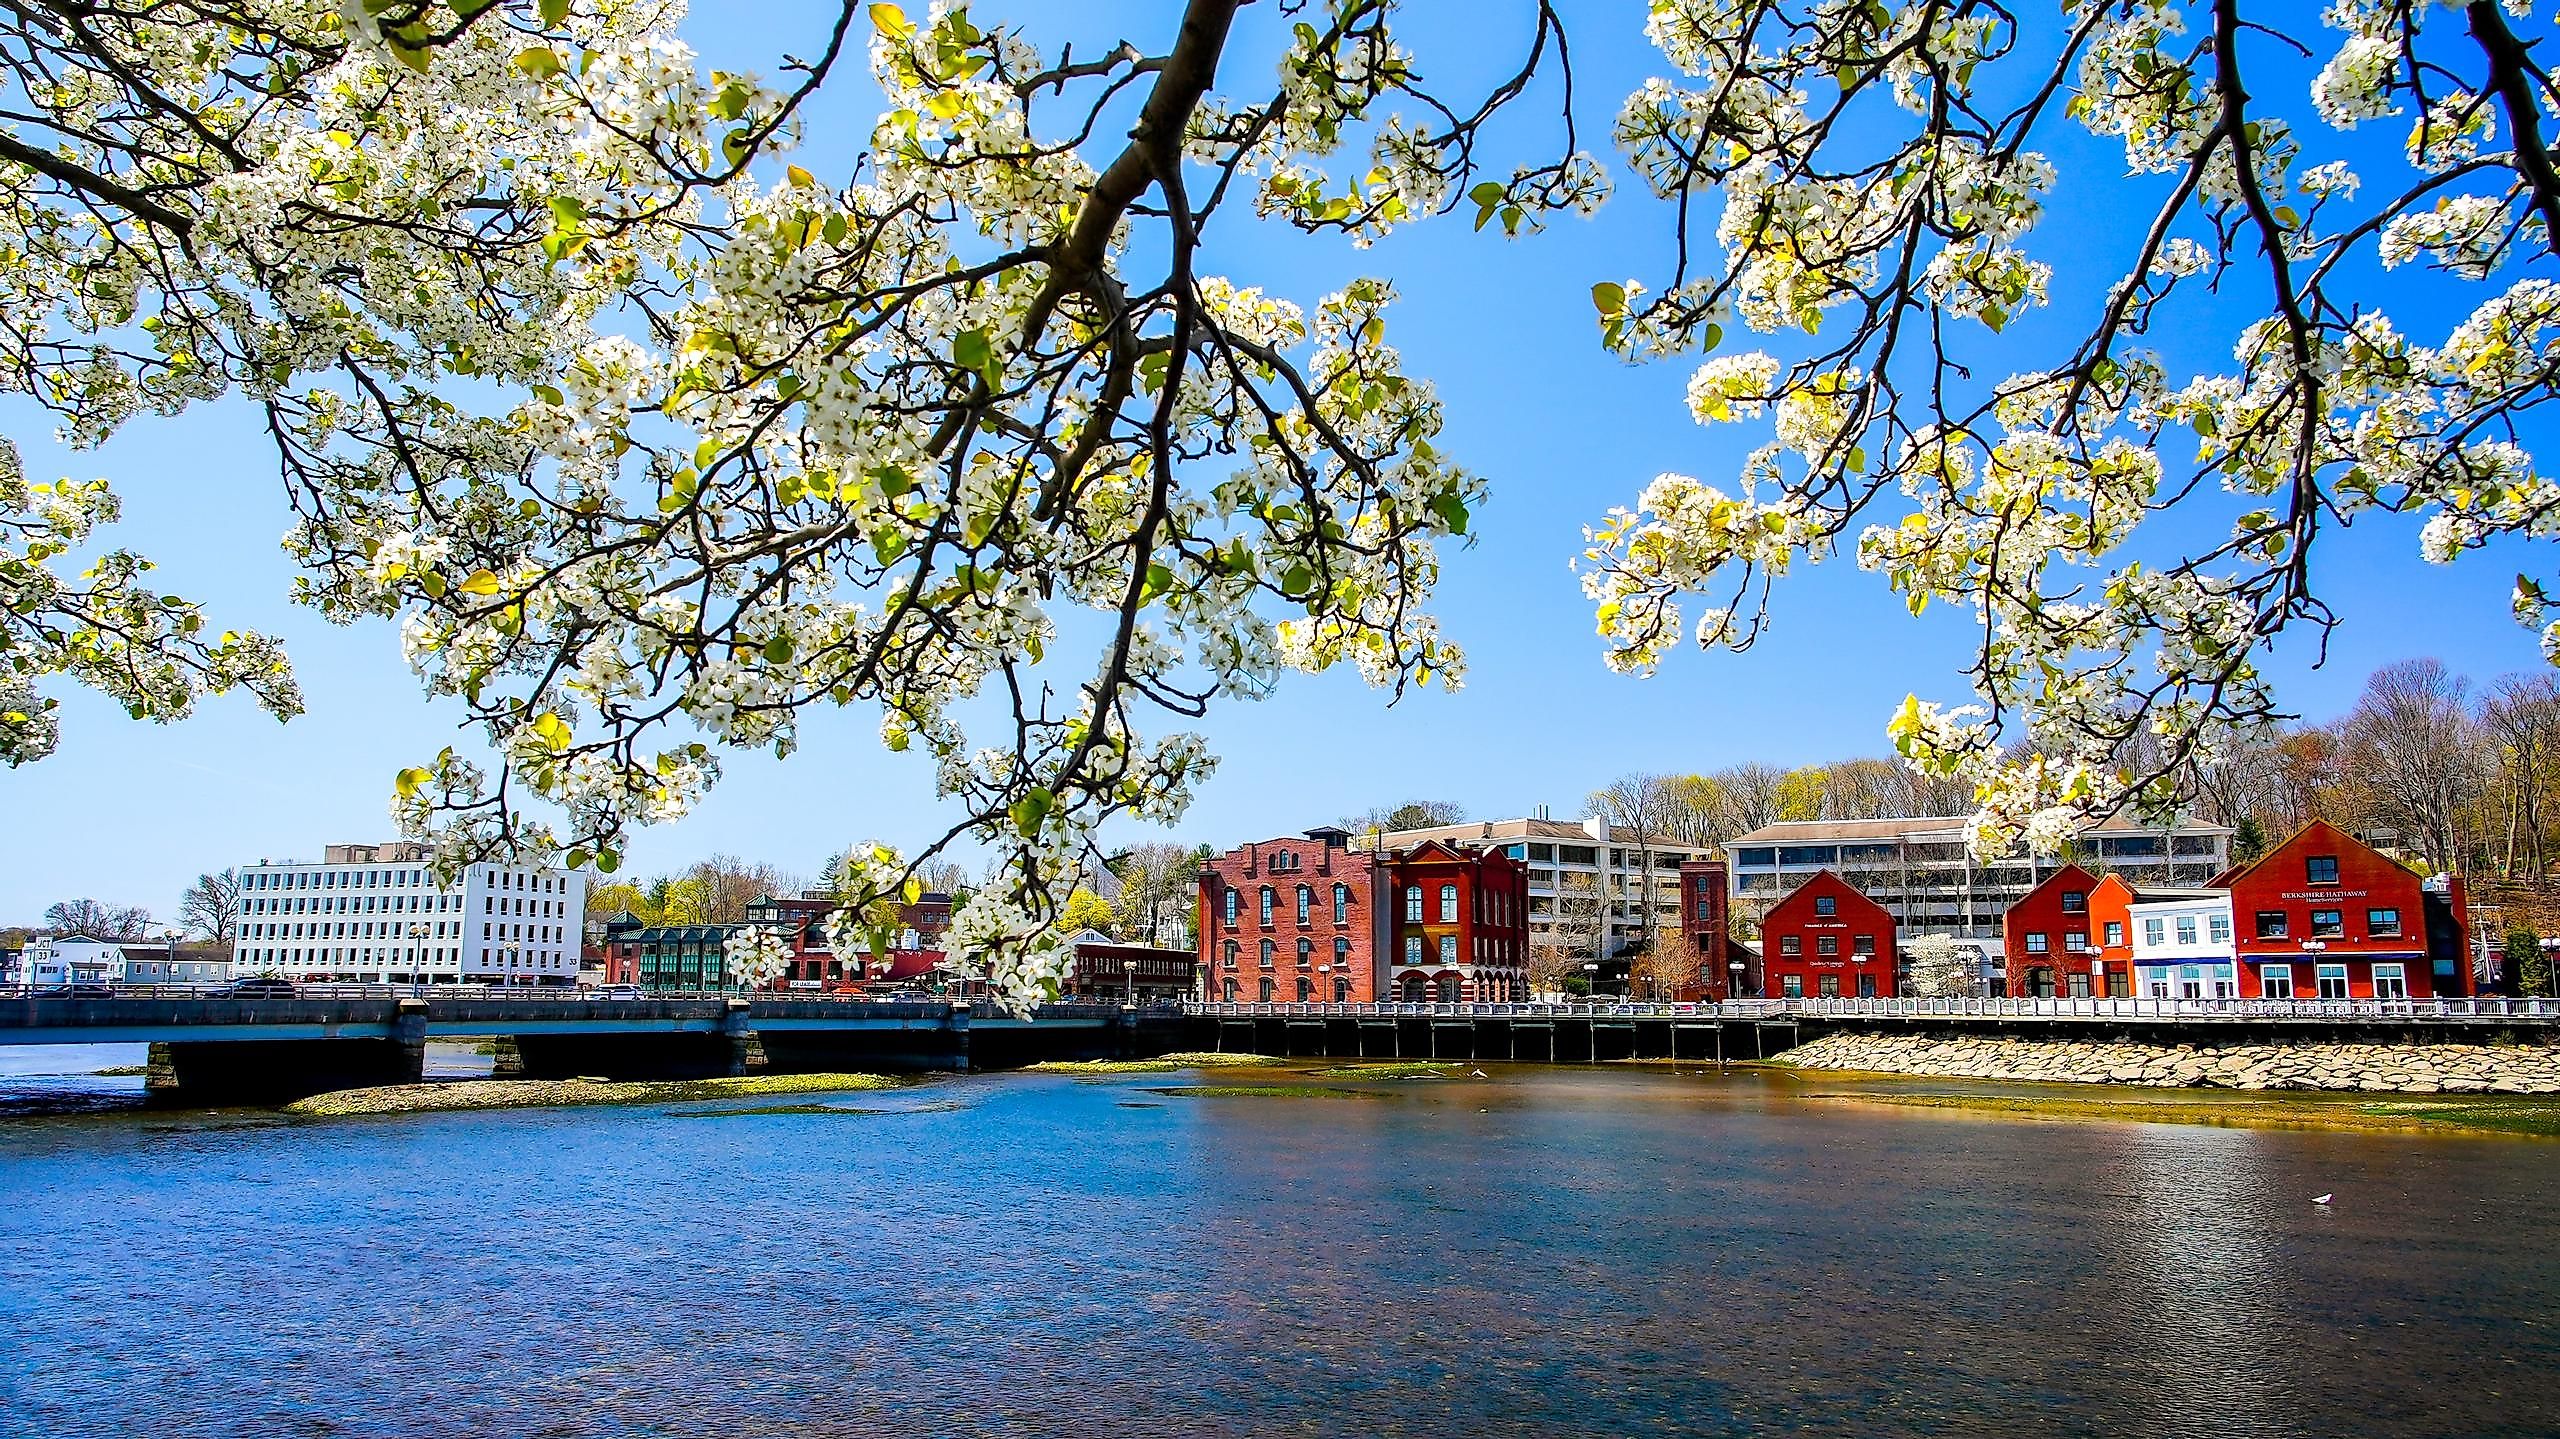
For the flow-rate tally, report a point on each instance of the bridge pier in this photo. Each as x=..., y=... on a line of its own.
x=278, y=1071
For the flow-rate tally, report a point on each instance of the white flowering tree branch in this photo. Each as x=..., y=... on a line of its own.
x=1873, y=180
x=649, y=450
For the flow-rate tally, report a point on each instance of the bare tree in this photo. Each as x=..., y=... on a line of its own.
x=1752, y=793
x=723, y=885
x=211, y=906
x=1638, y=808
x=1862, y=789
x=2523, y=713
x=1412, y=814
x=92, y=920
x=2410, y=750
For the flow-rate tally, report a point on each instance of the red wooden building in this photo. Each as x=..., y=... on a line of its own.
x=1313, y=919
x=2111, y=935
x=2326, y=916
x=2045, y=937
x=1830, y=941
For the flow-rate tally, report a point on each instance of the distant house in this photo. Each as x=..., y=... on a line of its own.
x=57, y=961
x=2182, y=944
x=1827, y=940
x=1105, y=968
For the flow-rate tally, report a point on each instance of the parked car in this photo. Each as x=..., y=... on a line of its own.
x=261, y=986
x=82, y=991
x=616, y=991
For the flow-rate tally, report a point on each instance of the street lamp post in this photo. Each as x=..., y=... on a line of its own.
x=1129, y=972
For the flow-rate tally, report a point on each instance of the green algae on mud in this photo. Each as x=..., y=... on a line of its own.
x=2253, y=1109
x=554, y=1093
x=1410, y=1069
x=939, y=1106
x=1261, y=1091
x=1161, y=1064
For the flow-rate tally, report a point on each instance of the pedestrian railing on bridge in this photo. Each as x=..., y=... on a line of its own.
x=2147, y=1010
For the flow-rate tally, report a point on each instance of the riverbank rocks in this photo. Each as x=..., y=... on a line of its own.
x=2377, y=1068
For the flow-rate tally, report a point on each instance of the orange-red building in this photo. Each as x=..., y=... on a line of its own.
x=1313, y=919
x=2326, y=916
x=2111, y=934
x=2045, y=937
x=1828, y=940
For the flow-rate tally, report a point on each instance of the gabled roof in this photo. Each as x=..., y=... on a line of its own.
x=2317, y=828
x=2088, y=882
x=1837, y=879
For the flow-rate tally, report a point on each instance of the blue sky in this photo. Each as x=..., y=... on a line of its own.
x=131, y=813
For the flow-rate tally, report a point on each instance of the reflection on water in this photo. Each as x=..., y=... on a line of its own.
x=1546, y=1251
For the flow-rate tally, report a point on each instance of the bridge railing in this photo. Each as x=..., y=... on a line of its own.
x=2488, y=1008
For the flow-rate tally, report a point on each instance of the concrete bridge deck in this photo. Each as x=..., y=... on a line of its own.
x=1757, y=1028
x=224, y=1045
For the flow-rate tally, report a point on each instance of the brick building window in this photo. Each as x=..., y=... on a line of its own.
x=1266, y=906
x=1413, y=904
x=1306, y=989
x=1306, y=904
x=1413, y=949
x=1828, y=944
x=1266, y=954
x=1448, y=949
x=2320, y=869
x=2271, y=924
x=1306, y=953
x=1448, y=904
x=1342, y=954
x=1790, y=944
x=1342, y=904
x=2382, y=923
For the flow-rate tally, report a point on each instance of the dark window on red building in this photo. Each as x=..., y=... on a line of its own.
x=2382, y=923
x=2271, y=924
x=2320, y=869
x=1827, y=944
x=1790, y=944
x=2328, y=924
x=1865, y=944
x=2035, y=941
x=2075, y=901
x=1825, y=906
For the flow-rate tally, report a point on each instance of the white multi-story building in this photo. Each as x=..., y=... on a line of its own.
x=1921, y=870
x=2181, y=943
x=1588, y=880
x=373, y=914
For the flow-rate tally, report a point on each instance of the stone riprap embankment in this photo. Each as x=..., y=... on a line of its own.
x=2378, y=1068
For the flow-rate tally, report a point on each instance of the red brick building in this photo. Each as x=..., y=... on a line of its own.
x=1712, y=965
x=1461, y=924
x=2325, y=916
x=1828, y=940
x=1312, y=919
x=2045, y=937
x=1293, y=919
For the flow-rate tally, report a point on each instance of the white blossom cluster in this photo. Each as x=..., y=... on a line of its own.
x=755, y=955
x=1868, y=197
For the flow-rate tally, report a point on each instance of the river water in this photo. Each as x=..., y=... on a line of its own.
x=1544, y=1251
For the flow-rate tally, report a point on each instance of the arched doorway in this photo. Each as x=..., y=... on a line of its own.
x=1414, y=989
x=1451, y=987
